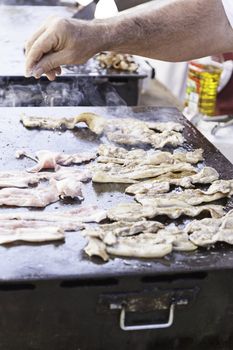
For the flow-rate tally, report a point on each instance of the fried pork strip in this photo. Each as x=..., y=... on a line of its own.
x=140, y=247
x=163, y=184
x=51, y=160
x=119, y=155
x=219, y=189
x=41, y=196
x=117, y=61
x=22, y=179
x=165, y=126
x=66, y=225
x=74, y=216
x=109, y=233
x=143, y=239
x=119, y=174
x=18, y=179
x=127, y=131
x=33, y=235
x=128, y=135
x=210, y=231
x=136, y=211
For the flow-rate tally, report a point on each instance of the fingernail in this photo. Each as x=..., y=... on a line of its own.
x=28, y=74
x=37, y=73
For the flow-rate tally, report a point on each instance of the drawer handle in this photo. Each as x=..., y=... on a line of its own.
x=147, y=326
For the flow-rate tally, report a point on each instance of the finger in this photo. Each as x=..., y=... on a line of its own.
x=58, y=70
x=39, y=32
x=33, y=38
x=48, y=63
x=44, y=44
x=51, y=75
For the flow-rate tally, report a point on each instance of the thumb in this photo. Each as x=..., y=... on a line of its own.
x=48, y=63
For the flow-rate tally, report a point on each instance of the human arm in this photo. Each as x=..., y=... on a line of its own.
x=177, y=31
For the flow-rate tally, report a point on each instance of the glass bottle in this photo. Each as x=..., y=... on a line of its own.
x=202, y=85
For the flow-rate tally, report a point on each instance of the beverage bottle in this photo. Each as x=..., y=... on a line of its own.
x=202, y=85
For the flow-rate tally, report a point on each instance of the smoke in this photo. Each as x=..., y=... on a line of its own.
x=65, y=91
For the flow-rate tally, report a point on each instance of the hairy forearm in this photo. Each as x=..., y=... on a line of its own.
x=178, y=31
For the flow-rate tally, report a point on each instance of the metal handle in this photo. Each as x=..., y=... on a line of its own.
x=146, y=326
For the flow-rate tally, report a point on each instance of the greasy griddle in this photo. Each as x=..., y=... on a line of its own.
x=67, y=260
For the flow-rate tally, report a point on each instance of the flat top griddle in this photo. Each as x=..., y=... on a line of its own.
x=21, y=262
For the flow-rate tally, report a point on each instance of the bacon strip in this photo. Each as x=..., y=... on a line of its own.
x=51, y=160
x=33, y=235
x=127, y=131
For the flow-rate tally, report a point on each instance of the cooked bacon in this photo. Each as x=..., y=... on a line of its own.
x=140, y=239
x=163, y=184
x=113, y=173
x=210, y=231
x=96, y=247
x=219, y=189
x=123, y=131
x=47, y=123
x=52, y=160
x=136, y=211
x=109, y=233
x=76, y=215
x=140, y=247
x=165, y=126
x=119, y=155
x=31, y=234
x=117, y=61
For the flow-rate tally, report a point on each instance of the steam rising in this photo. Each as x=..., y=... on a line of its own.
x=71, y=92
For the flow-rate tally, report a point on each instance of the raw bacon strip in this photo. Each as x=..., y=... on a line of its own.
x=77, y=215
x=83, y=175
x=66, y=225
x=22, y=179
x=52, y=160
x=33, y=235
x=68, y=188
x=39, y=197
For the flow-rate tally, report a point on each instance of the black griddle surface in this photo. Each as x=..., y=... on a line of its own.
x=24, y=262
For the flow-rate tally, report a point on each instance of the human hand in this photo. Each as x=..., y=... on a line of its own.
x=60, y=41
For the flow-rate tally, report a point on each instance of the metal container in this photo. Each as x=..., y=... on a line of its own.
x=86, y=85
